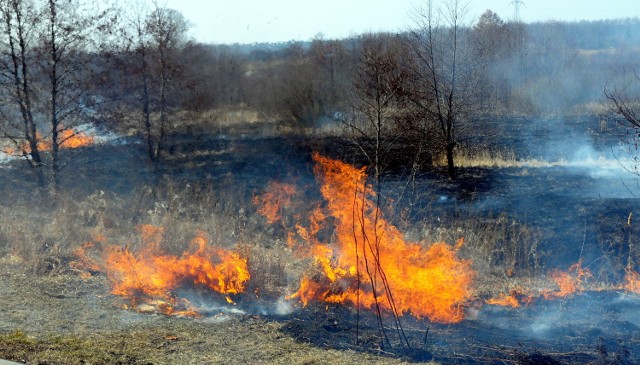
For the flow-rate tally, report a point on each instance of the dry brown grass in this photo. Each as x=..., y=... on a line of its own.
x=72, y=321
x=488, y=158
x=498, y=245
x=69, y=319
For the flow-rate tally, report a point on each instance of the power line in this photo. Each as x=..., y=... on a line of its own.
x=516, y=9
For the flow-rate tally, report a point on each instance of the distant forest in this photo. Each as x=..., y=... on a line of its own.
x=543, y=68
x=69, y=62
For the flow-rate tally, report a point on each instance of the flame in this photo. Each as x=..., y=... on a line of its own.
x=72, y=139
x=505, y=301
x=149, y=279
x=68, y=139
x=370, y=264
x=632, y=282
x=515, y=299
x=272, y=202
x=568, y=282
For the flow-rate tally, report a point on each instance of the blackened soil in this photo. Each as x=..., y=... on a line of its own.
x=575, y=330
x=582, y=214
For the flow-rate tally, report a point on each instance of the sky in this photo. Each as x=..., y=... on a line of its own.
x=254, y=21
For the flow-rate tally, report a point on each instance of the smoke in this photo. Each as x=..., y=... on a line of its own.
x=586, y=317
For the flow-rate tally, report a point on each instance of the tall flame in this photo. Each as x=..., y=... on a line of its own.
x=370, y=264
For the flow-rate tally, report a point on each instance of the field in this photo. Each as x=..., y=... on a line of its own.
x=541, y=198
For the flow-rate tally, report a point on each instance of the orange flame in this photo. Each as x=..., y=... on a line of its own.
x=68, y=139
x=632, y=282
x=568, y=282
x=71, y=139
x=370, y=263
x=272, y=202
x=149, y=279
x=515, y=299
x=505, y=300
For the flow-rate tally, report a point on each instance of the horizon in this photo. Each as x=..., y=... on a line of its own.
x=279, y=21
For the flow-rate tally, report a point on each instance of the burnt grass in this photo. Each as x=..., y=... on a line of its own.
x=59, y=318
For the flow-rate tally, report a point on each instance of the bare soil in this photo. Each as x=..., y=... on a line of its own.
x=65, y=319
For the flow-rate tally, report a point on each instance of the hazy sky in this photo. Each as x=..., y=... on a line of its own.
x=248, y=21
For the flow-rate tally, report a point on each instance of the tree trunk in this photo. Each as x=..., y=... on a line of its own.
x=55, y=122
x=451, y=168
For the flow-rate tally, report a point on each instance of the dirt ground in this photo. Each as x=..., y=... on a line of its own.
x=66, y=319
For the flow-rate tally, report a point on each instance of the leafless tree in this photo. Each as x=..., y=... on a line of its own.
x=445, y=71
x=18, y=17
x=154, y=40
x=69, y=36
x=624, y=102
x=167, y=28
x=499, y=48
x=48, y=43
x=378, y=85
x=331, y=60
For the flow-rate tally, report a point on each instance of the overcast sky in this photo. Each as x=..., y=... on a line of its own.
x=249, y=21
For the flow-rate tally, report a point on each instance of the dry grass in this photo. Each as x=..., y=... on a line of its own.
x=74, y=320
x=71, y=321
x=487, y=158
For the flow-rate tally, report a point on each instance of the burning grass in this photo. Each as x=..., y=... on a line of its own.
x=369, y=264
x=345, y=254
x=67, y=138
x=149, y=278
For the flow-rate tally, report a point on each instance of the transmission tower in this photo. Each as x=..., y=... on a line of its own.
x=516, y=9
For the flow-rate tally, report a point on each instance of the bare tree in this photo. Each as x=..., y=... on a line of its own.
x=48, y=44
x=66, y=42
x=150, y=52
x=444, y=69
x=16, y=70
x=330, y=58
x=624, y=102
x=378, y=84
x=167, y=28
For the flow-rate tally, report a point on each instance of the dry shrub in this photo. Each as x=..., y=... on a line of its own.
x=498, y=245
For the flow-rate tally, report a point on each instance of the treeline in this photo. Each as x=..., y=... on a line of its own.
x=531, y=69
x=67, y=62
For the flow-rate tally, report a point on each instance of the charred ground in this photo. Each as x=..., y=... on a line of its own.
x=527, y=220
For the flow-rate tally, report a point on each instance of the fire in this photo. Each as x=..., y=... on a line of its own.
x=568, y=282
x=515, y=299
x=505, y=301
x=68, y=139
x=632, y=283
x=370, y=264
x=149, y=279
x=72, y=139
x=277, y=197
